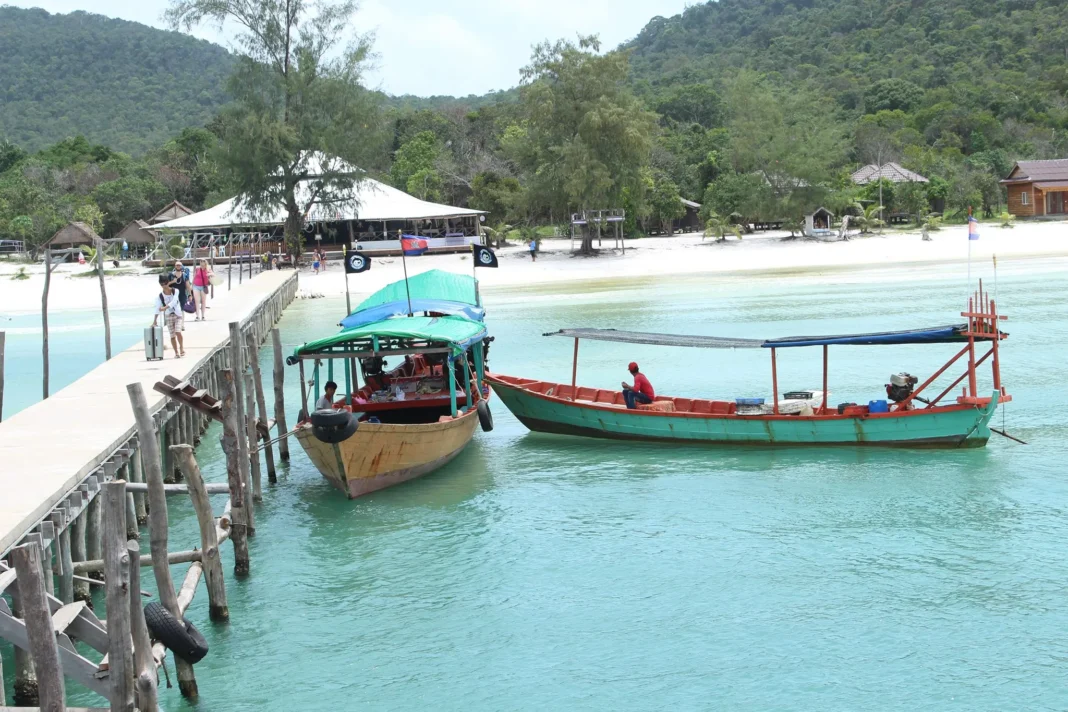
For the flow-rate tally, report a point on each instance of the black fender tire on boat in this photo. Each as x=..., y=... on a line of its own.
x=179, y=636
x=485, y=418
x=330, y=418
x=340, y=429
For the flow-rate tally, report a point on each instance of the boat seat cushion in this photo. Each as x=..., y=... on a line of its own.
x=663, y=406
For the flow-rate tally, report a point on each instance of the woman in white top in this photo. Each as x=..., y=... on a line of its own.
x=168, y=304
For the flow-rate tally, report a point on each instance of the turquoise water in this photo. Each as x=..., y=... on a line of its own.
x=544, y=572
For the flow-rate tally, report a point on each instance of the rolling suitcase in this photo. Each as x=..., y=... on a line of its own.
x=154, y=343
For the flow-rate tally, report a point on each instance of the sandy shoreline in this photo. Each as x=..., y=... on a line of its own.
x=1043, y=245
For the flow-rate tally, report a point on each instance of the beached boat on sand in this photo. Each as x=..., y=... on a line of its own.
x=905, y=418
x=410, y=420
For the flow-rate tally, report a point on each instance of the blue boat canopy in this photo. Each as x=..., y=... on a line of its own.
x=932, y=335
x=391, y=310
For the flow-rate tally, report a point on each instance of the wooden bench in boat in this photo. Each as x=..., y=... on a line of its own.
x=614, y=399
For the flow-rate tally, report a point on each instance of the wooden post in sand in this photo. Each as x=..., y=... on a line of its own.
x=209, y=543
x=157, y=526
x=117, y=586
x=237, y=365
x=144, y=665
x=279, y=395
x=261, y=405
x=230, y=440
x=30, y=575
x=103, y=298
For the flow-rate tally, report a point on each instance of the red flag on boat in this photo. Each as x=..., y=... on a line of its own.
x=413, y=246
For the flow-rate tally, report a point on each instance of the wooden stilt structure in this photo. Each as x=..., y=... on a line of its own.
x=279, y=394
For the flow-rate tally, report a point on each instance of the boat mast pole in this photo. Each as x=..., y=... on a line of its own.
x=574, y=372
x=971, y=347
x=400, y=235
x=451, y=365
x=825, y=378
x=774, y=384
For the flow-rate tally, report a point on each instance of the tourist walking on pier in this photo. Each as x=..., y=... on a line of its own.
x=180, y=282
x=169, y=305
x=201, y=281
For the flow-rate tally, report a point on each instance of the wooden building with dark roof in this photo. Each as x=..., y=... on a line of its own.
x=1038, y=188
x=74, y=234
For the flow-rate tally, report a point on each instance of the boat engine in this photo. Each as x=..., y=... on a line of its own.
x=900, y=386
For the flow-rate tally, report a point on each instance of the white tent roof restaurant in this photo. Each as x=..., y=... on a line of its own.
x=370, y=201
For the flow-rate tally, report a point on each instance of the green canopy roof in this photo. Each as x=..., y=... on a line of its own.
x=455, y=332
x=434, y=284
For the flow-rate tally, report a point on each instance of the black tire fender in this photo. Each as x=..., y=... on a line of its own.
x=330, y=418
x=485, y=417
x=180, y=636
x=337, y=433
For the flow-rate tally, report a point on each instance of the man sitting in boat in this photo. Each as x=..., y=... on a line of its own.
x=641, y=392
x=327, y=401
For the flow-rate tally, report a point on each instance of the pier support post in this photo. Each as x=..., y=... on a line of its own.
x=164, y=441
x=137, y=474
x=117, y=590
x=237, y=366
x=30, y=576
x=132, y=531
x=77, y=553
x=50, y=562
x=144, y=665
x=66, y=566
x=261, y=406
x=209, y=543
x=279, y=394
x=253, y=434
x=157, y=529
x=94, y=529
x=25, y=676
x=230, y=441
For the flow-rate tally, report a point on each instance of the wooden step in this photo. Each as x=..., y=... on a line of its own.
x=62, y=618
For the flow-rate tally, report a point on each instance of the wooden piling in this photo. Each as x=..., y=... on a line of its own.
x=117, y=590
x=137, y=475
x=132, y=531
x=49, y=562
x=209, y=544
x=94, y=527
x=237, y=366
x=253, y=435
x=229, y=441
x=25, y=687
x=77, y=554
x=30, y=576
x=279, y=394
x=66, y=567
x=261, y=407
x=157, y=527
x=144, y=664
x=163, y=442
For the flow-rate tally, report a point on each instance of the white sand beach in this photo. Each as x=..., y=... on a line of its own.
x=893, y=255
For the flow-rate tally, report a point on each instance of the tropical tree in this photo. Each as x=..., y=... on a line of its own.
x=719, y=227
x=585, y=139
x=868, y=217
x=302, y=123
x=665, y=203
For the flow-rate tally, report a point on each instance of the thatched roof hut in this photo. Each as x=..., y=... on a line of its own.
x=137, y=232
x=74, y=234
x=171, y=211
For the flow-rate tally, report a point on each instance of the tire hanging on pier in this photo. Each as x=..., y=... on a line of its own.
x=180, y=636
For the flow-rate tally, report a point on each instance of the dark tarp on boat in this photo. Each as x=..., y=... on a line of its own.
x=931, y=335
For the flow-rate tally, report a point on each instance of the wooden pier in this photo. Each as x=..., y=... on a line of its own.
x=66, y=511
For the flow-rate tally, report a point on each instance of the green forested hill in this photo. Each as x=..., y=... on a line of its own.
x=953, y=64
x=122, y=84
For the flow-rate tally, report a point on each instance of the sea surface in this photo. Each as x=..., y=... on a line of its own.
x=542, y=572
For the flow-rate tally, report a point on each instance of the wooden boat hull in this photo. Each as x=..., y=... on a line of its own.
x=381, y=455
x=949, y=426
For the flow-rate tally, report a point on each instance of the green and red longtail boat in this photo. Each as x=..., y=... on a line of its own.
x=905, y=419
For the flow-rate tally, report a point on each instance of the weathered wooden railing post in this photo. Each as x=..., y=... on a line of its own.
x=209, y=543
x=117, y=586
x=230, y=441
x=253, y=435
x=30, y=574
x=157, y=527
x=261, y=406
x=144, y=664
x=279, y=394
x=237, y=366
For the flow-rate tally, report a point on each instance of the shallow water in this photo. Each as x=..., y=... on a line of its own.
x=545, y=572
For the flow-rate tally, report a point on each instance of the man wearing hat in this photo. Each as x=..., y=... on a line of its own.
x=641, y=392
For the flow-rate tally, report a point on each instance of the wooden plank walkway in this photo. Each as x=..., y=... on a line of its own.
x=50, y=447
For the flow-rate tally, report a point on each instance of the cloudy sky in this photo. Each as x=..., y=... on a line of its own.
x=455, y=47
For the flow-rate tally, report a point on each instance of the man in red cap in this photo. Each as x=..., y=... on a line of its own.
x=641, y=392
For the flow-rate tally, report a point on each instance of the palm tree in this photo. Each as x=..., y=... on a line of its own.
x=720, y=227
x=869, y=217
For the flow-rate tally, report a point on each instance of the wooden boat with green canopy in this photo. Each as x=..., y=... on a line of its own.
x=905, y=418
x=412, y=419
